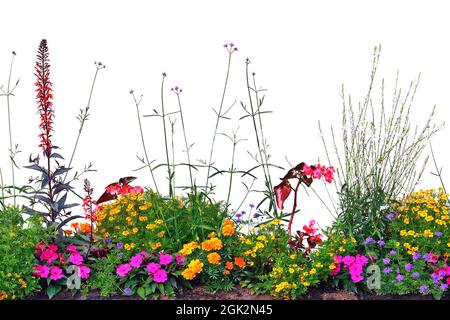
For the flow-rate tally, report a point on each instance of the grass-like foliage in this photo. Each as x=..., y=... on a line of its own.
x=379, y=159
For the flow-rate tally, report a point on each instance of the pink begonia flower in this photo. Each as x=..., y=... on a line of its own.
x=41, y=271
x=153, y=267
x=56, y=273
x=84, y=272
x=123, y=269
x=136, y=261
x=165, y=259
x=160, y=276
x=76, y=259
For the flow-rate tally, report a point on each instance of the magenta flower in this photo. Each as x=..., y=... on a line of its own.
x=56, y=273
x=123, y=269
x=152, y=267
x=180, y=259
x=84, y=272
x=41, y=271
x=72, y=249
x=136, y=261
x=76, y=259
x=160, y=276
x=48, y=255
x=348, y=260
x=165, y=259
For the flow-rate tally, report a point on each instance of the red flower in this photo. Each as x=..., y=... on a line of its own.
x=282, y=192
x=44, y=96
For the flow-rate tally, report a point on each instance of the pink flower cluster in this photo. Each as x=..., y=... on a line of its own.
x=318, y=171
x=54, y=261
x=354, y=265
x=154, y=269
x=116, y=189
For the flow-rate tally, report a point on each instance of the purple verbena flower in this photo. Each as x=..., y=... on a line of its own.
x=390, y=216
x=127, y=291
x=381, y=243
x=387, y=270
x=415, y=275
x=423, y=288
x=416, y=256
x=392, y=252
x=438, y=233
x=119, y=245
x=400, y=277
x=409, y=266
x=368, y=240
x=386, y=260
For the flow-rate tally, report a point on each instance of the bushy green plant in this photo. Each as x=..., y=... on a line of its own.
x=17, y=247
x=150, y=222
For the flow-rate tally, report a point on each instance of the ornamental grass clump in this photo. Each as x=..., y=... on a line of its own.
x=378, y=161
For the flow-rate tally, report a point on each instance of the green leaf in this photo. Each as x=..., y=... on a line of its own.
x=142, y=293
x=52, y=291
x=161, y=288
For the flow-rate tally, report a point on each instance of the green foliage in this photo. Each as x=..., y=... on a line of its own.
x=103, y=276
x=17, y=241
x=149, y=221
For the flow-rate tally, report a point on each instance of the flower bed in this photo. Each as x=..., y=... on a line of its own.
x=137, y=242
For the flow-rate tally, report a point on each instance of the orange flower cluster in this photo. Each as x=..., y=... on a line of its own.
x=193, y=268
x=212, y=244
x=228, y=228
x=214, y=258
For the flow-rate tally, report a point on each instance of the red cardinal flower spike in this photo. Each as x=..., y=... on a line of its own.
x=44, y=97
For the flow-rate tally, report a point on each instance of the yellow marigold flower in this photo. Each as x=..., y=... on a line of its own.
x=125, y=233
x=281, y=286
x=313, y=271
x=406, y=220
x=411, y=233
x=127, y=247
x=111, y=219
x=429, y=218
x=262, y=238
x=423, y=214
x=196, y=265
x=188, y=248
x=291, y=270
x=150, y=226
x=427, y=233
x=135, y=230
x=143, y=218
x=403, y=233
x=214, y=258
x=407, y=245
x=189, y=274
x=156, y=245
x=353, y=240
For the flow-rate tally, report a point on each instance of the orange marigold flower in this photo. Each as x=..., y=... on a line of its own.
x=229, y=265
x=75, y=225
x=212, y=244
x=240, y=262
x=85, y=227
x=214, y=258
x=226, y=272
x=189, y=274
x=228, y=228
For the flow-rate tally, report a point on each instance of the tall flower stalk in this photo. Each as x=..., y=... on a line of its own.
x=177, y=91
x=12, y=152
x=88, y=209
x=231, y=49
x=137, y=103
x=163, y=116
x=84, y=114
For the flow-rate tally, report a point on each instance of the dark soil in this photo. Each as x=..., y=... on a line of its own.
x=199, y=293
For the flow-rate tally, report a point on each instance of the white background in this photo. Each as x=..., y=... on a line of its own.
x=301, y=51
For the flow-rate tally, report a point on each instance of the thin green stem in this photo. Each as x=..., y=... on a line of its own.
x=11, y=154
x=172, y=131
x=165, y=137
x=185, y=140
x=137, y=103
x=219, y=116
x=231, y=174
x=2, y=189
x=83, y=117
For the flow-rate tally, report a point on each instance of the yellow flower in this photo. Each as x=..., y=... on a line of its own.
x=135, y=230
x=411, y=233
x=341, y=249
x=188, y=248
x=319, y=265
x=143, y=218
x=125, y=233
x=291, y=270
x=156, y=245
x=228, y=228
x=306, y=284
x=403, y=233
x=427, y=233
x=281, y=286
x=407, y=245
x=429, y=218
x=150, y=226
x=332, y=266
x=212, y=244
x=159, y=221
x=406, y=220
x=313, y=271
x=161, y=234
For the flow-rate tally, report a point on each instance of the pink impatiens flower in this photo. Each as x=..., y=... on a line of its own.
x=83, y=272
x=136, y=261
x=165, y=259
x=48, y=256
x=123, y=269
x=72, y=249
x=180, y=259
x=152, y=267
x=56, y=273
x=41, y=271
x=76, y=259
x=160, y=276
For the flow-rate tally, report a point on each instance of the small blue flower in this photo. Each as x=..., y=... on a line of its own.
x=390, y=216
x=381, y=243
x=415, y=275
x=119, y=245
x=257, y=215
x=387, y=270
x=423, y=288
x=108, y=240
x=392, y=252
x=369, y=240
x=386, y=260
x=127, y=291
x=409, y=266
x=438, y=233
x=416, y=256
